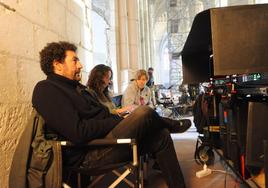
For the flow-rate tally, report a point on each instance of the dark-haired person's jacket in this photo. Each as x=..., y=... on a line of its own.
x=71, y=112
x=32, y=164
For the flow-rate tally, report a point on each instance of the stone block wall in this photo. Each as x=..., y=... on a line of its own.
x=25, y=28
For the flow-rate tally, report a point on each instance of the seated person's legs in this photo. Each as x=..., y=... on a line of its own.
x=143, y=120
x=150, y=131
x=108, y=155
x=152, y=135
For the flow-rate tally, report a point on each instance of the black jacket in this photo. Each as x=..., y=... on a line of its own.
x=32, y=164
x=71, y=112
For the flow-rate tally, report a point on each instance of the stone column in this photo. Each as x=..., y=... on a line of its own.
x=127, y=25
x=122, y=42
x=133, y=34
x=150, y=37
x=145, y=33
x=142, y=31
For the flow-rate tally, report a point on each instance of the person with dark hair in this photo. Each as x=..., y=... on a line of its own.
x=150, y=82
x=74, y=114
x=98, y=85
x=56, y=53
x=99, y=80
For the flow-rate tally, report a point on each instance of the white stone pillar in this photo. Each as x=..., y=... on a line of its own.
x=133, y=34
x=127, y=27
x=122, y=43
x=145, y=33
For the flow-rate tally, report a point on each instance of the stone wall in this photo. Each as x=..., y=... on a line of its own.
x=25, y=28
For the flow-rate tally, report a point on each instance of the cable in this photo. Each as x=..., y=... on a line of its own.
x=237, y=179
x=225, y=178
x=222, y=171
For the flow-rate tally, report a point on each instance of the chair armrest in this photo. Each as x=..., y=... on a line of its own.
x=105, y=141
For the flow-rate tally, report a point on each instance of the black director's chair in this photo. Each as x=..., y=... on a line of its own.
x=42, y=160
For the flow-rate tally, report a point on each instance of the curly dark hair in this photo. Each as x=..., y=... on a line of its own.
x=54, y=51
x=95, y=81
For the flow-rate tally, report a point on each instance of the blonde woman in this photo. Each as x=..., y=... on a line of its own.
x=137, y=92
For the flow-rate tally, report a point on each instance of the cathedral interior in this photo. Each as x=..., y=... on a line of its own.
x=211, y=53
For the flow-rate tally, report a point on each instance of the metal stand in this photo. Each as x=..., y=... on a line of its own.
x=231, y=167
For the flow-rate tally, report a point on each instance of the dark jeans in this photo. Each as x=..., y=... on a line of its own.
x=152, y=136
